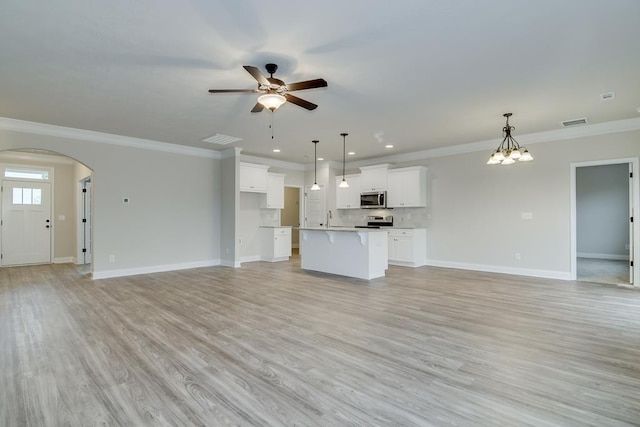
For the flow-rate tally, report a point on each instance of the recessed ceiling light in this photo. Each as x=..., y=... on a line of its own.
x=388, y=146
x=351, y=153
x=276, y=150
x=320, y=158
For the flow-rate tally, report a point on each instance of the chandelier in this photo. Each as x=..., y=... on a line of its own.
x=509, y=150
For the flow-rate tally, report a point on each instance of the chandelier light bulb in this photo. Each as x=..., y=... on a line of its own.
x=343, y=183
x=526, y=156
x=508, y=161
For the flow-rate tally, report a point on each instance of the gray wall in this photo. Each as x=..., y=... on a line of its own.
x=602, y=211
x=173, y=218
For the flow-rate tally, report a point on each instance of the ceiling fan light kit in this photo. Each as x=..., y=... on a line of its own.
x=509, y=150
x=275, y=92
x=272, y=101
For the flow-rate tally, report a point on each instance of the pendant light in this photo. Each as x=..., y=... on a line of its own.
x=315, y=185
x=509, y=150
x=343, y=183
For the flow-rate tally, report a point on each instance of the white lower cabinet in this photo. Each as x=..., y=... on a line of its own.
x=408, y=246
x=275, y=243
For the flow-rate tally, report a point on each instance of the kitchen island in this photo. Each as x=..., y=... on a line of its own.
x=353, y=252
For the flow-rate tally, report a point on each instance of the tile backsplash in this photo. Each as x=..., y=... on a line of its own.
x=402, y=217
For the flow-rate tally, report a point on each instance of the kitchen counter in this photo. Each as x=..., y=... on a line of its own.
x=347, y=251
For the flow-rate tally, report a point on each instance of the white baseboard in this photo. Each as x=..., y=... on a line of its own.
x=546, y=274
x=230, y=263
x=603, y=256
x=64, y=260
x=154, y=269
x=405, y=264
x=250, y=258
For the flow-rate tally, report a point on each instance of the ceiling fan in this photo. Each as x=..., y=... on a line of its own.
x=275, y=91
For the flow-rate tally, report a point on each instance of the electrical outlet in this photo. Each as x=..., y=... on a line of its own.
x=112, y=258
x=240, y=241
x=517, y=256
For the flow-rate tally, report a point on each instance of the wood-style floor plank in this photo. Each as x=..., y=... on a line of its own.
x=269, y=344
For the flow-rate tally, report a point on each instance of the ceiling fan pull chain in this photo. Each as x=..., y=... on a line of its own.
x=271, y=125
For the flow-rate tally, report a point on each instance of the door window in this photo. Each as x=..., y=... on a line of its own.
x=27, y=196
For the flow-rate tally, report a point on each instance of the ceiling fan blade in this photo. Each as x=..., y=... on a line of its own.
x=255, y=72
x=257, y=108
x=300, y=102
x=234, y=90
x=309, y=84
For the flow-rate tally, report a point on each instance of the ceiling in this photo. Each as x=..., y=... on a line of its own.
x=420, y=74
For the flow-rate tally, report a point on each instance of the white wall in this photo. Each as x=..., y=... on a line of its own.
x=474, y=214
x=173, y=219
x=602, y=211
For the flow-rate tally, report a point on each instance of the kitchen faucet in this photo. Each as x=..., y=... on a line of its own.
x=328, y=218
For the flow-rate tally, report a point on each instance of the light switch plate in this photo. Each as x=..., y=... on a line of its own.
x=526, y=215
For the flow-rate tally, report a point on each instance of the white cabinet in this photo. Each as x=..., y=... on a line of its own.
x=374, y=178
x=275, y=243
x=274, y=199
x=253, y=177
x=348, y=198
x=408, y=246
x=407, y=187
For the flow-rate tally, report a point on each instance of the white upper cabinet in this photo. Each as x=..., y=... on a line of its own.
x=374, y=178
x=253, y=177
x=348, y=198
x=407, y=187
x=275, y=192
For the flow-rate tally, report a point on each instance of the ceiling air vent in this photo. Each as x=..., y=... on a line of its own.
x=607, y=96
x=221, y=139
x=575, y=122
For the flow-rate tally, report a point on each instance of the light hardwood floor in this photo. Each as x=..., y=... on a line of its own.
x=269, y=344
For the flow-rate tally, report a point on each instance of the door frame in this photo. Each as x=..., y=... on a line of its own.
x=634, y=203
x=51, y=182
x=80, y=232
x=300, y=204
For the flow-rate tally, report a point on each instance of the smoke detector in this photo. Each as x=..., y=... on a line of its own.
x=575, y=122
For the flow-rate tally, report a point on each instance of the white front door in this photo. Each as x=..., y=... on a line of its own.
x=26, y=222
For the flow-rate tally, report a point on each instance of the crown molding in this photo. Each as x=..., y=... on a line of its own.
x=272, y=162
x=103, y=138
x=616, y=126
x=41, y=156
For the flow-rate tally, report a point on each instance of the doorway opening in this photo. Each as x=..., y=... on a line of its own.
x=603, y=203
x=291, y=214
x=40, y=208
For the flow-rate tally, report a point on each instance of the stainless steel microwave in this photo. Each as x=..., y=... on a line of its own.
x=373, y=200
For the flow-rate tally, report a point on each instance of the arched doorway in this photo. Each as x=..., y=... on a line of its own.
x=45, y=212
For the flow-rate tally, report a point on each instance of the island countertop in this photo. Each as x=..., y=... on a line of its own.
x=348, y=251
x=339, y=228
